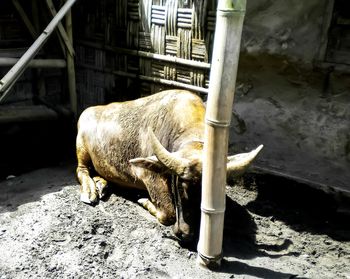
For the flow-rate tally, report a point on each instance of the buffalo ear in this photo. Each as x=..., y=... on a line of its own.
x=150, y=163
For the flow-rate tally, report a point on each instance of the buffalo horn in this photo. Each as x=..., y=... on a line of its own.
x=167, y=158
x=237, y=164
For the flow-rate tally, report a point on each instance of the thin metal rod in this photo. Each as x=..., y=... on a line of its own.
x=15, y=72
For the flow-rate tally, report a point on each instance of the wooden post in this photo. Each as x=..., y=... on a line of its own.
x=25, y=19
x=15, y=72
x=40, y=80
x=35, y=16
x=35, y=63
x=229, y=23
x=61, y=30
x=71, y=68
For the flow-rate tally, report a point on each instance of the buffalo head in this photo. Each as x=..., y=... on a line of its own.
x=184, y=171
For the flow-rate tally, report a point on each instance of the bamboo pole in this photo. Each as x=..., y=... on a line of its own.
x=15, y=72
x=35, y=16
x=70, y=66
x=40, y=80
x=35, y=63
x=60, y=40
x=229, y=23
x=61, y=30
x=163, y=81
x=148, y=55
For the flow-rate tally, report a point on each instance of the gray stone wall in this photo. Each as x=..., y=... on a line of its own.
x=286, y=27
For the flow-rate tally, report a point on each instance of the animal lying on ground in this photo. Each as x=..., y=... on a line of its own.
x=153, y=143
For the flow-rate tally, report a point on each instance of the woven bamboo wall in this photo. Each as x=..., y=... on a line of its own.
x=13, y=39
x=128, y=48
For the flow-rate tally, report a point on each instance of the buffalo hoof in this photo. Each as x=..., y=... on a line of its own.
x=143, y=202
x=84, y=197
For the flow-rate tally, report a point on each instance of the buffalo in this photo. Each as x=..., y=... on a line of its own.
x=154, y=143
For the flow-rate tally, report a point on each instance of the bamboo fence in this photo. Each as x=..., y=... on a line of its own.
x=124, y=48
x=140, y=47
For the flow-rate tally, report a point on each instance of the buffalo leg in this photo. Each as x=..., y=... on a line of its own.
x=88, y=191
x=164, y=217
x=160, y=205
x=147, y=204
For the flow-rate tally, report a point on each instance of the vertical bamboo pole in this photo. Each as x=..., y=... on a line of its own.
x=35, y=16
x=62, y=34
x=40, y=81
x=71, y=68
x=229, y=23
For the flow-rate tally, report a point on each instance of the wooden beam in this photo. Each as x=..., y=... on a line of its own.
x=9, y=114
x=327, y=20
x=47, y=17
x=163, y=81
x=149, y=55
x=70, y=68
x=39, y=76
x=35, y=16
x=35, y=63
x=25, y=19
x=61, y=29
x=40, y=83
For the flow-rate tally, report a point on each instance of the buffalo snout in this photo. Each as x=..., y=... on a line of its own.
x=183, y=232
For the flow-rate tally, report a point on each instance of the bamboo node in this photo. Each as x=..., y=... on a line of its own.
x=230, y=13
x=216, y=123
x=210, y=262
x=212, y=210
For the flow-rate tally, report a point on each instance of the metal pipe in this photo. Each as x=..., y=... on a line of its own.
x=14, y=73
x=229, y=23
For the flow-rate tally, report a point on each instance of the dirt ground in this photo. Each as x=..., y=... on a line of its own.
x=273, y=229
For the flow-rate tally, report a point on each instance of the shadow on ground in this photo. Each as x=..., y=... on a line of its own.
x=301, y=207
x=240, y=243
x=30, y=187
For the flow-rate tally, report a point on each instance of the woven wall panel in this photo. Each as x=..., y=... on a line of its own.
x=182, y=29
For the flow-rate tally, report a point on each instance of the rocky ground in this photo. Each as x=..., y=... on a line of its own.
x=274, y=229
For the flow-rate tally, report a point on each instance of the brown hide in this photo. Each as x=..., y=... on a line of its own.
x=110, y=136
x=116, y=133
